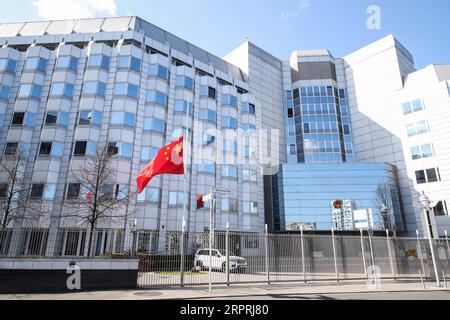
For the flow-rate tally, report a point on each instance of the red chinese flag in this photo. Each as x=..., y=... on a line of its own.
x=169, y=160
x=200, y=203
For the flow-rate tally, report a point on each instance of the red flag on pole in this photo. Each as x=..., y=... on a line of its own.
x=169, y=160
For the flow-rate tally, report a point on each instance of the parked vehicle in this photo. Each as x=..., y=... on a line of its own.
x=219, y=261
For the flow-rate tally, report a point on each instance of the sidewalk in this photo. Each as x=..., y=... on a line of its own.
x=236, y=291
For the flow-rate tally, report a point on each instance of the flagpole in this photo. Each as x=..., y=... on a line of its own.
x=186, y=200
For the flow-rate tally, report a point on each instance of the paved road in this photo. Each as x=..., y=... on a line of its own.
x=431, y=295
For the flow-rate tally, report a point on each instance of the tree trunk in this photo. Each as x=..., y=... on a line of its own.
x=91, y=233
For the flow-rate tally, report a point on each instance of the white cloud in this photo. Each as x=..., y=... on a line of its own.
x=72, y=9
x=302, y=5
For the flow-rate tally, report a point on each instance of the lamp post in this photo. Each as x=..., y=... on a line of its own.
x=427, y=208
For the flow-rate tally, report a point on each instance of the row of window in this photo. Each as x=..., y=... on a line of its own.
x=418, y=128
x=422, y=152
x=428, y=176
x=412, y=106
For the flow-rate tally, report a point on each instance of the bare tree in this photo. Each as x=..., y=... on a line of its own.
x=99, y=199
x=15, y=203
x=383, y=202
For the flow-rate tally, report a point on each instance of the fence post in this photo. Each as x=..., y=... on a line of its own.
x=227, y=252
x=303, y=253
x=334, y=255
x=363, y=252
x=419, y=248
x=266, y=242
x=372, y=256
x=183, y=232
x=390, y=255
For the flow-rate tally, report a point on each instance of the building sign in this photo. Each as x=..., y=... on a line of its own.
x=337, y=204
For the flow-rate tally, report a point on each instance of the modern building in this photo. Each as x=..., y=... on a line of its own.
x=69, y=88
x=305, y=194
x=330, y=128
x=371, y=106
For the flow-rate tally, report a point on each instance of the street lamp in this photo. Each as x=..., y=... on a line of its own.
x=427, y=208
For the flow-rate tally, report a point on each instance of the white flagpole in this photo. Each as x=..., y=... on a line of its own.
x=186, y=147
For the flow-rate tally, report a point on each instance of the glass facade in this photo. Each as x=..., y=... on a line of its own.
x=304, y=194
x=318, y=125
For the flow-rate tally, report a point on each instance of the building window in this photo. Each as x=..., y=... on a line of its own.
x=184, y=82
x=126, y=89
x=36, y=64
x=1, y=120
x=54, y=117
x=229, y=205
x=422, y=152
x=176, y=198
x=428, y=175
x=123, y=118
x=148, y=153
x=4, y=92
x=18, y=118
x=67, y=62
x=229, y=123
x=129, y=62
x=183, y=106
x=432, y=175
x=30, y=91
x=158, y=97
x=62, y=89
x=249, y=175
x=159, y=71
x=73, y=191
x=418, y=128
x=51, y=148
x=229, y=100
x=413, y=106
x=440, y=209
x=80, y=148
x=229, y=171
x=98, y=61
x=4, y=188
x=94, y=88
x=207, y=91
x=88, y=117
x=207, y=168
x=154, y=124
x=21, y=118
x=207, y=115
x=120, y=149
x=292, y=150
x=248, y=108
x=150, y=195
x=229, y=146
x=37, y=191
x=250, y=207
x=248, y=127
x=11, y=149
x=8, y=65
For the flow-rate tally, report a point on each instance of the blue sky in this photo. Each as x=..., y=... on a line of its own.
x=279, y=27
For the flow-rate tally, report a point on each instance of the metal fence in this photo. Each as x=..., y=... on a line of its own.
x=182, y=259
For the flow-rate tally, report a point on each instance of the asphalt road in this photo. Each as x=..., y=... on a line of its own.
x=431, y=295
